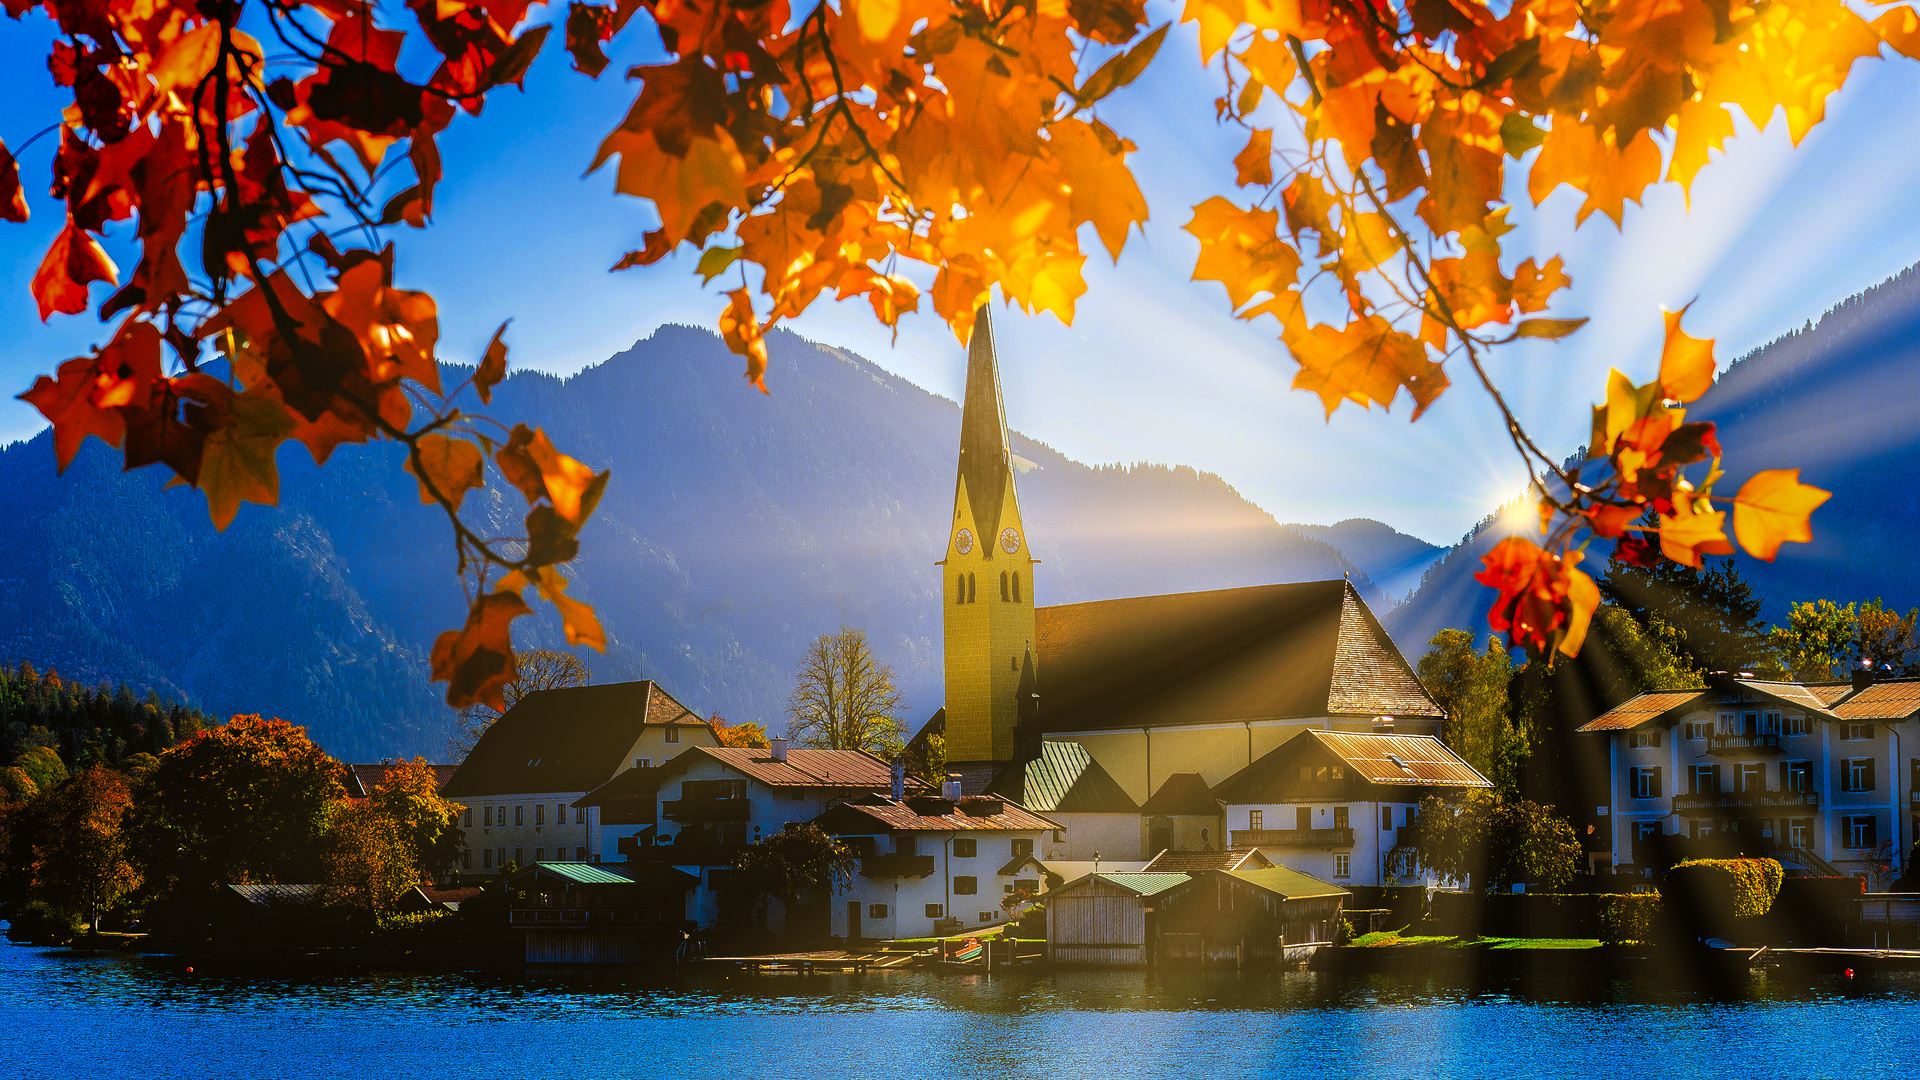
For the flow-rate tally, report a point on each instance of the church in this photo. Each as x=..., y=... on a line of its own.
x=1125, y=719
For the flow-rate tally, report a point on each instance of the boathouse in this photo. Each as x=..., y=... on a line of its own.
x=1103, y=920
x=580, y=913
x=1245, y=918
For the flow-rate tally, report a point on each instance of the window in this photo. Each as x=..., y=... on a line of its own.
x=1706, y=780
x=1770, y=723
x=1856, y=732
x=643, y=763
x=1016, y=586
x=933, y=911
x=1204, y=835
x=1340, y=817
x=966, y=849
x=559, y=813
x=1753, y=776
x=502, y=858
x=1386, y=819
x=519, y=856
x=673, y=734
x=1749, y=723
x=1799, y=725
x=1729, y=724
x=1797, y=832
x=539, y=854
x=486, y=816
x=1342, y=866
x=517, y=819
x=1026, y=886
x=960, y=593
x=1339, y=772
x=965, y=886
x=1302, y=818
x=579, y=815
x=1004, y=594
x=970, y=589
x=560, y=854
x=876, y=911
x=1697, y=730
x=1856, y=774
x=540, y=815
x=1646, y=782
x=466, y=818
x=1022, y=848
x=466, y=860
x=1702, y=828
x=486, y=858
x=1859, y=831
x=986, y=916
x=1796, y=776
x=1256, y=820
x=1646, y=830
x=1645, y=738
x=580, y=855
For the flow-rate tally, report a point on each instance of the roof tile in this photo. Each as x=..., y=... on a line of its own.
x=570, y=739
x=1640, y=709
x=929, y=814
x=1894, y=699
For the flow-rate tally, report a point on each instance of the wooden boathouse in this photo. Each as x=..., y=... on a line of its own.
x=1102, y=920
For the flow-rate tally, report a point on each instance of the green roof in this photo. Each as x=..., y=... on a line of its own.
x=1291, y=884
x=580, y=873
x=1066, y=779
x=1146, y=884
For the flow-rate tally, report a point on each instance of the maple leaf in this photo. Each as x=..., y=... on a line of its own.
x=1692, y=531
x=448, y=468
x=741, y=329
x=1254, y=165
x=476, y=661
x=74, y=261
x=1772, y=508
x=1242, y=250
x=237, y=461
x=493, y=366
x=577, y=619
x=13, y=201
x=1103, y=190
x=1367, y=362
x=1533, y=285
x=1108, y=21
x=67, y=403
x=1686, y=362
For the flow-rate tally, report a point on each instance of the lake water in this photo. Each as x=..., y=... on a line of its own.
x=95, y=1015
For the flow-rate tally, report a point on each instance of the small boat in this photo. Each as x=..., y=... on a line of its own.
x=968, y=952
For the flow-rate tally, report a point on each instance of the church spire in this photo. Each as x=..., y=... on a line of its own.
x=985, y=465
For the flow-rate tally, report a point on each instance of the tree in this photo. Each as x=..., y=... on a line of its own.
x=43, y=767
x=370, y=862
x=1886, y=639
x=534, y=669
x=845, y=699
x=1486, y=840
x=747, y=735
x=82, y=866
x=1472, y=688
x=864, y=143
x=1713, y=615
x=795, y=861
x=246, y=802
x=1817, y=641
x=428, y=824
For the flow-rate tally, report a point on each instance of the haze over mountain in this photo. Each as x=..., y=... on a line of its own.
x=736, y=528
x=1838, y=401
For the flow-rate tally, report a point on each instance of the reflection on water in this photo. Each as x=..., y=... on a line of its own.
x=122, y=1016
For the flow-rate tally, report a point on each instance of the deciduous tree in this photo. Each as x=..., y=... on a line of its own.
x=1817, y=641
x=82, y=866
x=746, y=735
x=534, y=669
x=409, y=795
x=794, y=862
x=1472, y=688
x=845, y=698
x=370, y=860
x=1485, y=840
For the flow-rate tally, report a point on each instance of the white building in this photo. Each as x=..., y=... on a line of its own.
x=521, y=783
x=1097, y=817
x=1333, y=803
x=931, y=864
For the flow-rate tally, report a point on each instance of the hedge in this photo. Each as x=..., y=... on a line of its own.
x=1628, y=918
x=1752, y=883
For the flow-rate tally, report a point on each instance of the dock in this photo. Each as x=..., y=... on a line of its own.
x=821, y=960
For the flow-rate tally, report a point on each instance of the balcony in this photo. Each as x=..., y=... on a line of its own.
x=896, y=866
x=689, y=854
x=1328, y=838
x=713, y=810
x=1735, y=745
x=1748, y=800
x=574, y=918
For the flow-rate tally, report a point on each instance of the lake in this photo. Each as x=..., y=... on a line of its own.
x=98, y=1015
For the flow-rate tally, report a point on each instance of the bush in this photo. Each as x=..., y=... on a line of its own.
x=1628, y=918
x=1752, y=883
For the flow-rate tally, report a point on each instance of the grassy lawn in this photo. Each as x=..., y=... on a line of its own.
x=1540, y=943
x=1384, y=939
x=1381, y=939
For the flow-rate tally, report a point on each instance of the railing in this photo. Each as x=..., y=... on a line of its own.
x=896, y=866
x=1733, y=744
x=1292, y=837
x=572, y=918
x=707, y=809
x=1748, y=800
x=690, y=854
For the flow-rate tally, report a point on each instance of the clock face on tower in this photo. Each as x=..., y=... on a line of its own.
x=1010, y=540
x=963, y=541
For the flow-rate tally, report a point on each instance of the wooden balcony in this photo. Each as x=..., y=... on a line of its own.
x=1742, y=745
x=574, y=918
x=1748, y=800
x=707, y=810
x=1322, y=838
x=896, y=866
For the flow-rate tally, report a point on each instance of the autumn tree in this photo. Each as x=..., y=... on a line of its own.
x=1471, y=687
x=246, y=802
x=794, y=862
x=409, y=795
x=1485, y=840
x=1817, y=641
x=913, y=154
x=845, y=698
x=370, y=862
x=746, y=735
x=43, y=767
x=1886, y=639
x=534, y=669
x=82, y=866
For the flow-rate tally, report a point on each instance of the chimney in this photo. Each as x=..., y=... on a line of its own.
x=951, y=789
x=778, y=749
x=899, y=793
x=1863, y=675
x=1383, y=725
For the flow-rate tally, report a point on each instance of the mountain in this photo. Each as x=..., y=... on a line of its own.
x=1835, y=399
x=1392, y=559
x=736, y=528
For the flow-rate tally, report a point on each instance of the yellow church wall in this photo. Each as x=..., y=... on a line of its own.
x=985, y=640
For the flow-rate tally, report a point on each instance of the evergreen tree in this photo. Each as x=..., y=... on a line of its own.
x=1712, y=613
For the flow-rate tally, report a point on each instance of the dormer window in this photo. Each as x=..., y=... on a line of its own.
x=642, y=763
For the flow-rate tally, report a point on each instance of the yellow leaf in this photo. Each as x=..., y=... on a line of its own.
x=712, y=171
x=1686, y=362
x=577, y=619
x=238, y=460
x=1103, y=189
x=1534, y=285
x=1254, y=164
x=1583, y=597
x=1242, y=250
x=453, y=467
x=1772, y=508
x=1691, y=532
x=1367, y=362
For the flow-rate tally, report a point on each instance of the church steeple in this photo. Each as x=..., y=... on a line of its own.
x=985, y=456
x=987, y=577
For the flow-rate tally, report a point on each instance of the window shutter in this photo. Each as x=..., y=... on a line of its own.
x=1656, y=781
x=1783, y=776
x=1656, y=737
x=1868, y=785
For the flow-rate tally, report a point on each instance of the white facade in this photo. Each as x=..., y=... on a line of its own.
x=525, y=829
x=1349, y=842
x=1116, y=837
x=962, y=880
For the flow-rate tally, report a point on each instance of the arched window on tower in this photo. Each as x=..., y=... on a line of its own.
x=1016, y=586
x=1003, y=586
x=970, y=584
x=961, y=581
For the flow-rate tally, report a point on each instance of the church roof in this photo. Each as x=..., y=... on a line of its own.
x=1185, y=794
x=1301, y=650
x=985, y=465
x=1063, y=779
x=571, y=739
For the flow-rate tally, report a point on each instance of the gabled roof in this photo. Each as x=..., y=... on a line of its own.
x=926, y=813
x=280, y=896
x=1392, y=760
x=1787, y=692
x=1642, y=709
x=1662, y=705
x=1892, y=699
x=1828, y=693
x=1064, y=779
x=1192, y=862
x=1139, y=884
x=1287, y=882
x=1184, y=794
x=362, y=779
x=1309, y=649
x=571, y=739
x=803, y=768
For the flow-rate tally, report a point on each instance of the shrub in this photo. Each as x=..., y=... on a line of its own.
x=1628, y=918
x=1753, y=883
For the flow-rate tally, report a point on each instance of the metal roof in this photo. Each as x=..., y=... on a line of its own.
x=1146, y=884
x=1065, y=779
x=1288, y=882
x=1400, y=759
x=581, y=873
x=927, y=813
x=1895, y=699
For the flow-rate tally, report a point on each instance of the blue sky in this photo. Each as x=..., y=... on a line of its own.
x=1153, y=368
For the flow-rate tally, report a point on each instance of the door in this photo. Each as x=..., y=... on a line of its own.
x=853, y=920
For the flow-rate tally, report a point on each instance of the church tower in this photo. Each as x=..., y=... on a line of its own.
x=987, y=575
